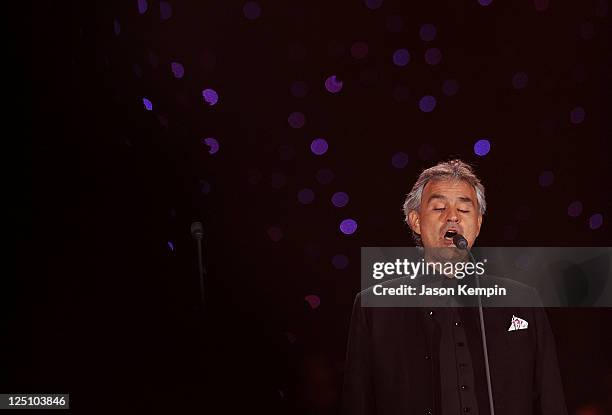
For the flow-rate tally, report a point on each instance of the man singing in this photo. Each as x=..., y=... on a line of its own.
x=431, y=360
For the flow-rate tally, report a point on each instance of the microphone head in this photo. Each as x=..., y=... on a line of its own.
x=197, y=230
x=460, y=242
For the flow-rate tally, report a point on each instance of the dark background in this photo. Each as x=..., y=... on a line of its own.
x=102, y=308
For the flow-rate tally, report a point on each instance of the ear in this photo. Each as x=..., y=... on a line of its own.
x=479, y=224
x=414, y=220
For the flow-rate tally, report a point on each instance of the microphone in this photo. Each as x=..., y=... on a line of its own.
x=197, y=232
x=462, y=243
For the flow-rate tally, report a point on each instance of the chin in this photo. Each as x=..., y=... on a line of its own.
x=445, y=253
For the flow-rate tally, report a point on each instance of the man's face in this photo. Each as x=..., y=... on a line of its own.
x=447, y=206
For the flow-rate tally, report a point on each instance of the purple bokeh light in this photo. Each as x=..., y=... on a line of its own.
x=373, y=4
x=574, y=209
x=401, y=57
x=213, y=145
x=450, y=87
x=296, y=119
x=340, y=199
x=519, y=80
x=177, y=69
x=147, y=104
x=348, y=226
x=427, y=103
x=546, y=178
x=251, y=10
x=485, y=2
x=142, y=6
x=275, y=233
x=298, y=89
x=595, y=221
x=577, y=115
x=319, y=146
x=523, y=262
x=523, y=213
x=399, y=160
x=153, y=60
x=333, y=85
x=305, y=196
x=359, y=50
x=587, y=30
x=433, y=56
x=254, y=176
x=428, y=32
x=171, y=246
x=540, y=5
x=292, y=339
x=601, y=8
x=510, y=232
x=313, y=301
x=204, y=187
x=165, y=10
x=116, y=27
x=163, y=120
x=482, y=147
x=325, y=176
x=137, y=70
x=210, y=96
x=340, y=261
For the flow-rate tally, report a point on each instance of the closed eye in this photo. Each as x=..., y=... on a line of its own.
x=439, y=209
x=463, y=211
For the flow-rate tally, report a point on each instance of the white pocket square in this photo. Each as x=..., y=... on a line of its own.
x=518, y=324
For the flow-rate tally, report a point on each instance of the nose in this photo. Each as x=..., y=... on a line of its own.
x=452, y=216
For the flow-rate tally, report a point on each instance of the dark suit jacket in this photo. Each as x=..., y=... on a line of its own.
x=393, y=366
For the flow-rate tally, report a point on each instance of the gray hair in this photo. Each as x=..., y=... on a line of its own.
x=448, y=170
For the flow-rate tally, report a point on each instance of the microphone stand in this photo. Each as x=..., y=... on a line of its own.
x=461, y=243
x=201, y=270
x=197, y=232
x=483, y=337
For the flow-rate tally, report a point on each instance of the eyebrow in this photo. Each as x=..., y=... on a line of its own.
x=436, y=196
x=464, y=199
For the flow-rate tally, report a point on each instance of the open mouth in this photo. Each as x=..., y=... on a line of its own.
x=449, y=235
